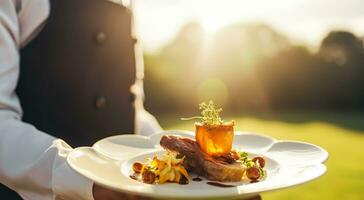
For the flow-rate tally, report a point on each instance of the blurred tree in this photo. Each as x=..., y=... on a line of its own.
x=235, y=53
x=170, y=75
x=289, y=79
x=253, y=67
x=344, y=52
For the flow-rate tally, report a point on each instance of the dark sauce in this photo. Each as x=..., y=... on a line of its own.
x=254, y=181
x=217, y=184
x=183, y=181
x=198, y=179
x=134, y=177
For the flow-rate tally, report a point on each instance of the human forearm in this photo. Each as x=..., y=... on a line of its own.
x=34, y=163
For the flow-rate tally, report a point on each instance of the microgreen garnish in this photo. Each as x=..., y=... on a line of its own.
x=243, y=154
x=263, y=172
x=210, y=114
x=248, y=162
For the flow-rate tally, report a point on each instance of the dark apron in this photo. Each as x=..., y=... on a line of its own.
x=75, y=76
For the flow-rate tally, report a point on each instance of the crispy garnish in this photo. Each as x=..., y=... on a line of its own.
x=167, y=169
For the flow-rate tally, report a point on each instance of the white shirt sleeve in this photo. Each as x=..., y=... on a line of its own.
x=32, y=163
x=145, y=123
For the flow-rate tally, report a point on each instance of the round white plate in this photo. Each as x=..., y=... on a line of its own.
x=109, y=163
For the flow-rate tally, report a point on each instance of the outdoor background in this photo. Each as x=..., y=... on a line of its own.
x=288, y=69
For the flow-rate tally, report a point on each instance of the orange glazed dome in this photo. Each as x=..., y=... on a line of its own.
x=213, y=135
x=215, y=140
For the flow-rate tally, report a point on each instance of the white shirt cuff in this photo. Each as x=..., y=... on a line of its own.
x=68, y=184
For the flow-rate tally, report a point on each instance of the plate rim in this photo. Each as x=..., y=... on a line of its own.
x=320, y=166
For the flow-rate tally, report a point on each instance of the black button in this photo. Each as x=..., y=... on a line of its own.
x=100, y=37
x=135, y=40
x=100, y=102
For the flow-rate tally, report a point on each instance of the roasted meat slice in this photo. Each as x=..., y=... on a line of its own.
x=212, y=168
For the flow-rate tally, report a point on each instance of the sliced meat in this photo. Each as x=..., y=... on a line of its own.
x=201, y=163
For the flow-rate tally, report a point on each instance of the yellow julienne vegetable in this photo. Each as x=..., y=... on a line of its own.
x=168, y=169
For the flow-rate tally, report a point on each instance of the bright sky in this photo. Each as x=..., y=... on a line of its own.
x=306, y=21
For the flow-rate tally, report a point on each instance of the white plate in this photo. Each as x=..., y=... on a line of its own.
x=109, y=163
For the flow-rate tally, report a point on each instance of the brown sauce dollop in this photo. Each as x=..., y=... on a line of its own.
x=198, y=179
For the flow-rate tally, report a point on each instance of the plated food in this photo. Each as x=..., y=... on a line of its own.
x=210, y=155
x=167, y=169
x=109, y=162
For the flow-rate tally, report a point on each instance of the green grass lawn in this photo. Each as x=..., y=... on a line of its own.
x=342, y=135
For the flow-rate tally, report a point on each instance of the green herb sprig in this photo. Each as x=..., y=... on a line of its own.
x=210, y=114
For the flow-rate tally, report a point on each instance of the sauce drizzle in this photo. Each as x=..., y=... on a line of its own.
x=198, y=179
x=134, y=177
x=183, y=181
